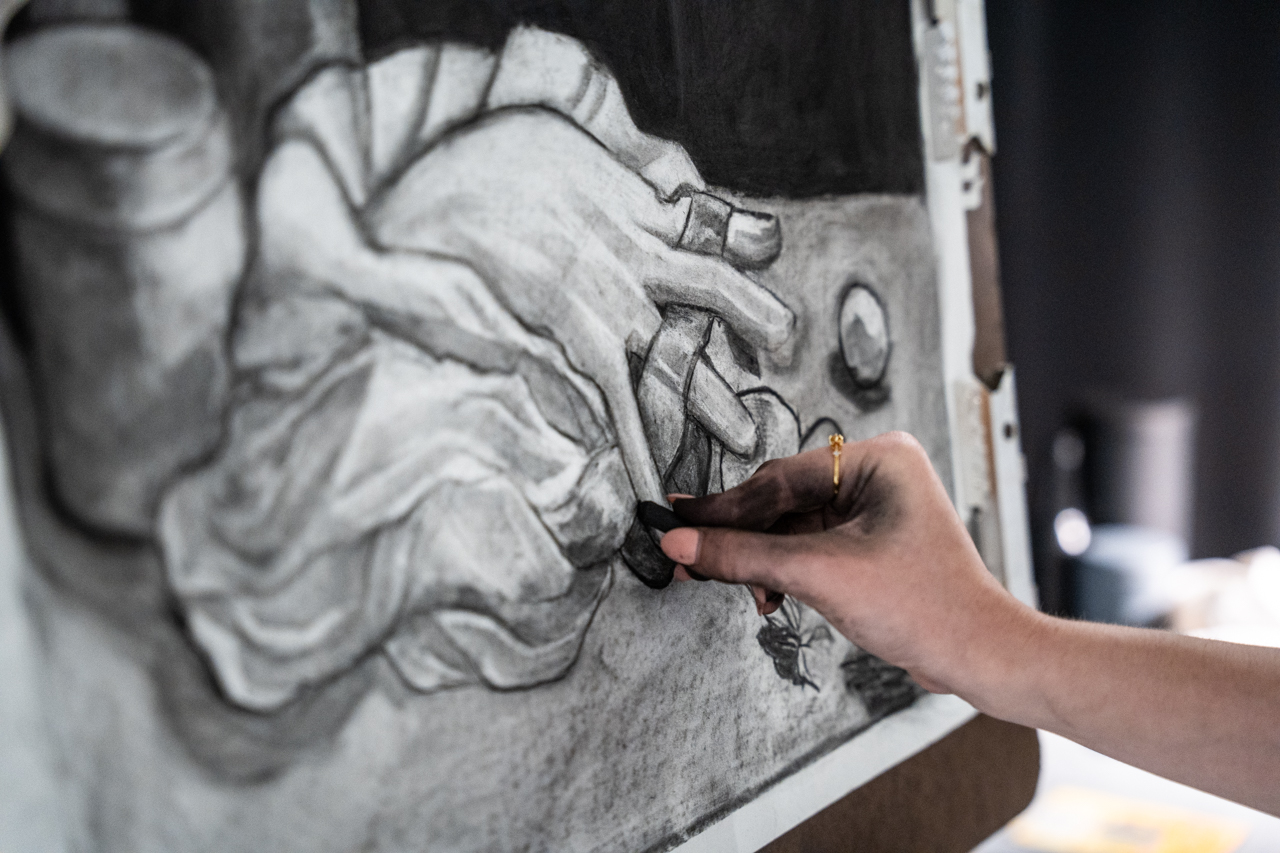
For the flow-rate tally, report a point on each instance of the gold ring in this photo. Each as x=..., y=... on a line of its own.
x=837, y=445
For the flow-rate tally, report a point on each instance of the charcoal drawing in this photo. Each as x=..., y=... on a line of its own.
x=882, y=687
x=784, y=638
x=343, y=344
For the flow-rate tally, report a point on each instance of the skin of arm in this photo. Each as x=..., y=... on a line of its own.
x=888, y=562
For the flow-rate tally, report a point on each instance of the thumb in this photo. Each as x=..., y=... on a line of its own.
x=741, y=556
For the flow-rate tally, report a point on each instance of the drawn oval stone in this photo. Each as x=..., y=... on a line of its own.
x=864, y=336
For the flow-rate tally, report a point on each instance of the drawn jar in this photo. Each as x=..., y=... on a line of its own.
x=129, y=240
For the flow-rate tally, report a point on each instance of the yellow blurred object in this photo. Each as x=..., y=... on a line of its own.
x=1077, y=820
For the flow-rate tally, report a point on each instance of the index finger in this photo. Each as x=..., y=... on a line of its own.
x=797, y=483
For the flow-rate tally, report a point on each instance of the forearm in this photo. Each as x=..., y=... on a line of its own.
x=1197, y=711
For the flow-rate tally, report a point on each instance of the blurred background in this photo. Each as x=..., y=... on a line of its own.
x=1137, y=184
x=1137, y=188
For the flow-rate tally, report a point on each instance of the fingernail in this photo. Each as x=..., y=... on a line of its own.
x=752, y=239
x=672, y=498
x=682, y=545
x=784, y=327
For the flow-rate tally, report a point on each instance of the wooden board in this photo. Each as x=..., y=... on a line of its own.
x=945, y=799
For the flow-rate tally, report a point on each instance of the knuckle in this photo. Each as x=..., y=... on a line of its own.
x=771, y=481
x=900, y=442
x=648, y=320
x=767, y=470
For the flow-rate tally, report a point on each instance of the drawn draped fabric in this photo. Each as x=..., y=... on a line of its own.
x=370, y=495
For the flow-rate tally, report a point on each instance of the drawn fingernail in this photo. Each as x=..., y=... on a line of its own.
x=752, y=239
x=681, y=545
x=784, y=326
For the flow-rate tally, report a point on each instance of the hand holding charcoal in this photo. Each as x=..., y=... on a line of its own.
x=880, y=558
x=889, y=564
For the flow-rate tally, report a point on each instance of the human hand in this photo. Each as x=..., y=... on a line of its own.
x=886, y=561
x=577, y=245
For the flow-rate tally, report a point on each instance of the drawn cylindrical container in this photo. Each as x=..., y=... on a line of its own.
x=129, y=240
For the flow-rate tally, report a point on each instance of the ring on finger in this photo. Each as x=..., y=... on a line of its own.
x=837, y=447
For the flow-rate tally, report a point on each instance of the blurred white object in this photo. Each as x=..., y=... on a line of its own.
x=1072, y=531
x=1127, y=574
x=1264, y=579
x=1237, y=600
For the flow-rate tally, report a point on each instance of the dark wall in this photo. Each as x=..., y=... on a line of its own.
x=1138, y=201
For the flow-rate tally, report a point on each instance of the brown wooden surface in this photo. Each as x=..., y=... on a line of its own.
x=989, y=357
x=945, y=799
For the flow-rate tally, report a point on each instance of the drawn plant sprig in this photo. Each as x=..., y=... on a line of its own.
x=784, y=640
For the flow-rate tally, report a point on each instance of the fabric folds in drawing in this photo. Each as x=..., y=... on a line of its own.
x=371, y=496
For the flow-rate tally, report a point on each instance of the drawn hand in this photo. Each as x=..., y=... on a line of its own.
x=575, y=244
x=539, y=68
x=887, y=560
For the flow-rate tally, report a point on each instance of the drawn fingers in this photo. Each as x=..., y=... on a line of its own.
x=602, y=286
x=705, y=224
x=684, y=278
x=670, y=169
x=596, y=350
x=747, y=239
x=663, y=164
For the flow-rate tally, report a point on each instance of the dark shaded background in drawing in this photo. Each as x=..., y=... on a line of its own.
x=824, y=93
x=672, y=673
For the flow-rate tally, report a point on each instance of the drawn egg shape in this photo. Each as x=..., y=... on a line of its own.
x=864, y=336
